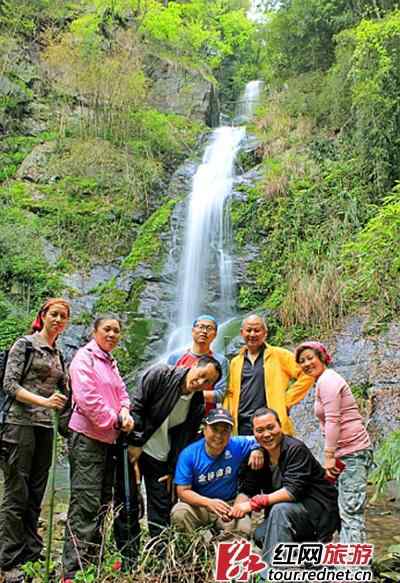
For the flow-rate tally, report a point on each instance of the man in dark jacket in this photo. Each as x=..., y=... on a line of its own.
x=300, y=503
x=167, y=408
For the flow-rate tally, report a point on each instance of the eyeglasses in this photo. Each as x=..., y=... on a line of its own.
x=204, y=328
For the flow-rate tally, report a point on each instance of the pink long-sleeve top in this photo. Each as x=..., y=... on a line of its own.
x=338, y=414
x=98, y=392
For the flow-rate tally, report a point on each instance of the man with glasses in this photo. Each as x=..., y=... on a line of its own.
x=204, y=331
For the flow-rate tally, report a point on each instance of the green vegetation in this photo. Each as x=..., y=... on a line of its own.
x=186, y=558
x=76, y=81
x=147, y=245
x=325, y=215
x=75, y=86
x=387, y=459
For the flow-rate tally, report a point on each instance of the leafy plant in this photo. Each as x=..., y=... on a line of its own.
x=387, y=459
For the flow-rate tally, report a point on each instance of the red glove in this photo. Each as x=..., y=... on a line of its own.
x=258, y=502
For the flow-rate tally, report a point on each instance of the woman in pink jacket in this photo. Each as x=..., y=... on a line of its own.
x=347, y=443
x=100, y=413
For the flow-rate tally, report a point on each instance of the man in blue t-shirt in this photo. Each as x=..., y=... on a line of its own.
x=207, y=477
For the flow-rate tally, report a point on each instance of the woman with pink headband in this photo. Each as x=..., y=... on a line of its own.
x=34, y=381
x=347, y=443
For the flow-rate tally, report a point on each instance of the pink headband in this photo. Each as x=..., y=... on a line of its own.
x=327, y=358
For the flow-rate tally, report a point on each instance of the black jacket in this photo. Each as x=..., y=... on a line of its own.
x=304, y=478
x=157, y=394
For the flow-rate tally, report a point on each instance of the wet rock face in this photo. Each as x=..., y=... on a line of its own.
x=82, y=294
x=371, y=366
x=177, y=90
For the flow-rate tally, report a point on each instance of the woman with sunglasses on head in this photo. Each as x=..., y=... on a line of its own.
x=34, y=382
x=101, y=412
x=347, y=452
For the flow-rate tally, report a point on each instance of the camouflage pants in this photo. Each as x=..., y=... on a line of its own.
x=352, y=485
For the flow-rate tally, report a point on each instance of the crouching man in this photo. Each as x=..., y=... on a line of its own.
x=300, y=504
x=207, y=477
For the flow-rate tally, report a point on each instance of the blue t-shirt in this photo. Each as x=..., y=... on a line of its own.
x=213, y=477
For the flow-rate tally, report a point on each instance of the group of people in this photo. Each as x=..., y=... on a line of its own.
x=247, y=459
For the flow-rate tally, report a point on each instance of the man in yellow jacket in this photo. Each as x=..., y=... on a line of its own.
x=260, y=376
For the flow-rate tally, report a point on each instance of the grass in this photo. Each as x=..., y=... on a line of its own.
x=185, y=558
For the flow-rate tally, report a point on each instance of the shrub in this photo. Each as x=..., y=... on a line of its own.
x=372, y=261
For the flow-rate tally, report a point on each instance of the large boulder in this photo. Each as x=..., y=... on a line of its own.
x=35, y=166
x=178, y=90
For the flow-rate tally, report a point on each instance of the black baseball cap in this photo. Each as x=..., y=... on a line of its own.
x=219, y=415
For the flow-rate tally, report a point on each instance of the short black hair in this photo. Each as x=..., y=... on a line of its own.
x=266, y=411
x=205, y=360
x=99, y=319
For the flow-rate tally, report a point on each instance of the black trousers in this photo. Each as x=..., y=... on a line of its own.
x=159, y=503
x=25, y=460
x=159, y=506
x=126, y=507
x=92, y=466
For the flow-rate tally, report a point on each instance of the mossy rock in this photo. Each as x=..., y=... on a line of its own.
x=147, y=245
x=136, y=335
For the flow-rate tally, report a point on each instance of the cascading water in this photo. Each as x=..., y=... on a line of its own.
x=248, y=101
x=205, y=279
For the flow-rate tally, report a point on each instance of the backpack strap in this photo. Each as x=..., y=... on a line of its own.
x=28, y=358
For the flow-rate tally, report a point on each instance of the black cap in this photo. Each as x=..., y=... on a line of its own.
x=219, y=415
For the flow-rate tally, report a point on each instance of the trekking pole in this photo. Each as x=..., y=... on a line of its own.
x=138, y=479
x=127, y=486
x=52, y=485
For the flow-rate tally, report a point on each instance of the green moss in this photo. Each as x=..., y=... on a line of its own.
x=111, y=298
x=135, y=293
x=116, y=300
x=25, y=276
x=148, y=242
x=136, y=329
x=14, y=150
x=136, y=334
x=84, y=224
x=243, y=214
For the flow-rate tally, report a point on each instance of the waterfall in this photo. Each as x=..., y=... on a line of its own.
x=248, y=101
x=205, y=279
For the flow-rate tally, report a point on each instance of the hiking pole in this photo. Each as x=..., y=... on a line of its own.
x=52, y=484
x=127, y=486
x=138, y=479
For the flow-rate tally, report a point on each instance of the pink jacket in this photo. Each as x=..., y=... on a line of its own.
x=98, y=392
x=339, y=416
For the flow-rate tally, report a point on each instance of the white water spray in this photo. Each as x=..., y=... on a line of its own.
x=248, y=101
x=205, y=280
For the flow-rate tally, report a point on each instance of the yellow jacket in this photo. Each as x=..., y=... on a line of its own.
x=280, y=368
